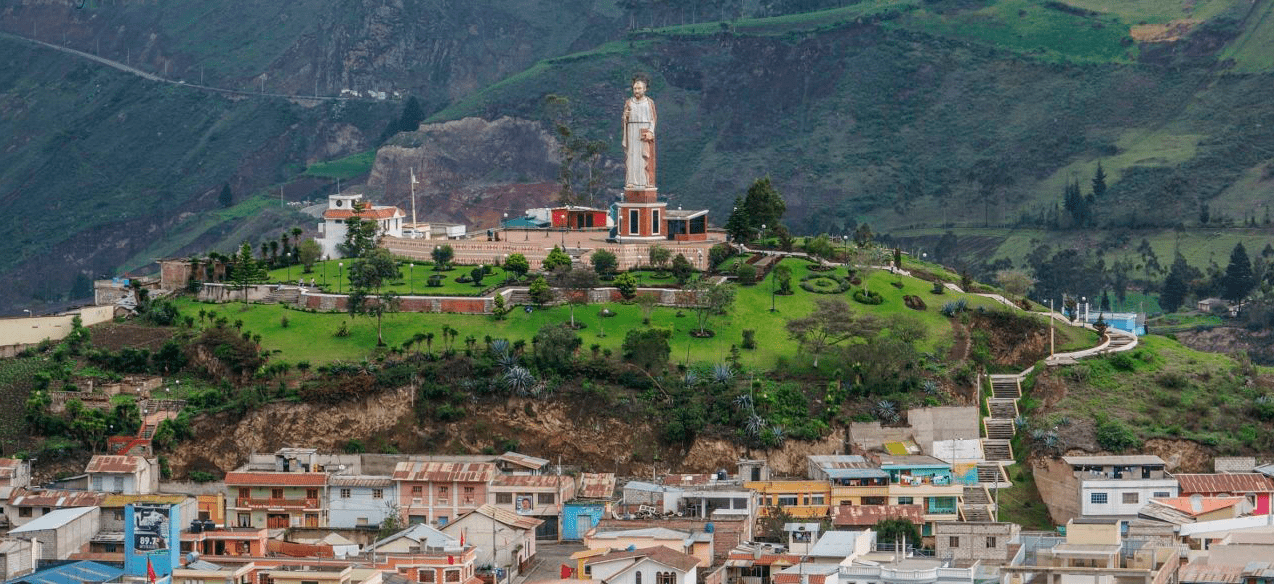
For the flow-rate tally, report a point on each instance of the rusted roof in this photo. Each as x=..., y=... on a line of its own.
x=461, y=472
x=56, y=498
x=115, y=463
x=687, y=480
x=277, y=479
x=664, y=555
x=519, y=459
x=1235, y=483
x=360, y=481
x=9, y=467
x=508, y=517
x=552, y=481
x=372, y=213
x=597, y=485
x=870, y=514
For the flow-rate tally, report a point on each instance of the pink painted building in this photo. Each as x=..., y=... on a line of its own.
x=1256, y=487
x=439, y=492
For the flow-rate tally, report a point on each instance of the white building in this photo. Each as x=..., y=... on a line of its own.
x=654, y=565
x=131, y=475
x=340, y=208
x=1119, y=486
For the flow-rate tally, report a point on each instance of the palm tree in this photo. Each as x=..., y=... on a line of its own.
x=429, y=343
x=417, y=338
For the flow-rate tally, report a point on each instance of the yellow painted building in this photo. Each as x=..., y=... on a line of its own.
x=799, y=498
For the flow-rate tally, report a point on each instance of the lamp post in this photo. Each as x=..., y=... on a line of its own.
x=325, y=260
x=288, y=259
x=504, y=265
x=773, y=276
x=411, y=276
x=340, y=275
x=1050, y=327
x=28, y=311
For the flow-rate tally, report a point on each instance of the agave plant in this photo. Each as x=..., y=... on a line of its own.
x=722, y=373
x=1020, y=422
x=931, y=387
x=690, y=378
x=886, y=411
x=519, y=380
x=506, y=361
x=499, y=348
x=755, y=425
x=777, y=436
x=744, y=401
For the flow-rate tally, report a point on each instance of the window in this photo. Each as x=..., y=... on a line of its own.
x=245, y=492
x=788, y=500
x=873, y=500
x=345, y=493
x=990, y=541
x=276, y=493
x=311, y=493
x=954, y=541
x=452, y=576
x=361, y=521
x=416, y=491
x=119, y=514
x=426, y=575
x=245, y=520
x=817, y=499
x=654, y=221
x=1131, y=498
x=1159, y=494
x=637, y=577
x=442, y=520
x=546, y=498
x=633, y=221
x=665, y=578
x=378, y=493
x=504, y=498
x=468, y=494
x=905, y=500
x=1097, y=498
x=24, y=511
x=805, y=499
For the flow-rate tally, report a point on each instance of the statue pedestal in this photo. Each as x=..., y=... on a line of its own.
x=642, y=216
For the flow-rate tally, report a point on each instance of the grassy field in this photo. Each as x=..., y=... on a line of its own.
x=343, y=168
x=309, y=336
x=1253, y=50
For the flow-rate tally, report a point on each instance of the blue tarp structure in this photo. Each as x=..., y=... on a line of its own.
x=82, y=572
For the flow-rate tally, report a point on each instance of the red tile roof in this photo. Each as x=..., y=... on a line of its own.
x=597, y=485
x=277, y=479
x=115, y=463
x=373, y=213
x=462, y=472
x=870, y=514
x=663, y=555
x=1218, y=484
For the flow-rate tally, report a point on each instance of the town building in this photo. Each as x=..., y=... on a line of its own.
x=29, y=504
x=593, y=500
x=227, y=541
x=800, y=499
x=277, y=499
x=538, y=496
x=420, y=536
x=926, y=481
x=132, y=475
x=1093, y=550
x=340, y=209
x=360, y=500
x=655, y=565
x=1111, y=486
x=1257, y=488
x=62, y=532
x=18, y=557
x=438, y=492
x=984, y=541
x=503, y=538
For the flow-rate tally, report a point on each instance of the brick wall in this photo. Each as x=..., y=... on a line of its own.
x=462, y=305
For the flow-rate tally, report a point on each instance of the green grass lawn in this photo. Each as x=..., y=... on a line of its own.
x=343, y=168
x=333, y=276
x=1021, y=503
x=309, y=336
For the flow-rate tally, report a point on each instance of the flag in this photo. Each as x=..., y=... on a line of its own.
x=462, y=537
x=150, y=571
x=413, y=177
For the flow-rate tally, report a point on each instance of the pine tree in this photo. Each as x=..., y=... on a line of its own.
x=226, y=198
x=1175, y=286
x=1239, y=279
x=1099, y=182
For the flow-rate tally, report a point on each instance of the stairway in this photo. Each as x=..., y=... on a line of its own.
x=147, y=432
x=990, y=474
x=1119, y=340
x=1005, y=386
x=976, y=495
x=1002, y=408
x=997, y=451
x=519, y=297
x=998, y=429
x=284, y=295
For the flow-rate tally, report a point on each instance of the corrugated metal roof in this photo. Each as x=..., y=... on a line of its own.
x=1230, y=483
x=870, y=514
x=277, y=479
x=115, y=463
x=508, y=517
x=910, y=460
x=462, y=472
x=1205, y=504
x=551, y=481
x=1130, y=460
x=54, y=519
x=519, y=459
x=661, y=554
x=83, y=572
x=595, y=485
x=855, y=473
x=686, y=480
x=115, y=500
x=55, y=498
x=9, y=467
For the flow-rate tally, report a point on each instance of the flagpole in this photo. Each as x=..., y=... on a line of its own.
x=413, y=199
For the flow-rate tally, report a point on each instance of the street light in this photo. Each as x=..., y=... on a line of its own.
x=340, y=275
x=288, y=259
x=411, y=276
x=28, y=311
x=773, y=276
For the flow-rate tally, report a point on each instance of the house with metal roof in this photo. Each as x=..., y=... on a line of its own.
x=82, y=572
x=28, y=504
x=112, y=473
x=655, y=565
x=1112, y=486
x=62, y=532
x=504, y=539
x=439, y=492
x=420, y=536
x=360, y=500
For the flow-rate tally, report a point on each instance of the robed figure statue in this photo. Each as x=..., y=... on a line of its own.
x=639, y=138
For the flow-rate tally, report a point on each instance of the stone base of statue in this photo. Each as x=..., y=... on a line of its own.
x=642, y=216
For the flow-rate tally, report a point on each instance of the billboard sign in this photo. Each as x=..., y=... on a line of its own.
x=150, y=528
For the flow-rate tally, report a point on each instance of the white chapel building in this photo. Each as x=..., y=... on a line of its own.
x=388, y=218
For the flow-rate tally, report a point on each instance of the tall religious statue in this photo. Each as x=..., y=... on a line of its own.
x=639, y=138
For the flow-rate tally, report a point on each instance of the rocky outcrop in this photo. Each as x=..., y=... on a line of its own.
x=469, y=171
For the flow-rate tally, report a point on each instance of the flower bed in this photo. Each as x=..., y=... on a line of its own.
x=824, y=283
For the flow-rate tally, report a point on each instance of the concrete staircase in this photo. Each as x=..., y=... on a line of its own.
x=997, y=451
x=284, y=295
x=976, y=504
x=991, y=473
x=1002, y=408
x=998, y=429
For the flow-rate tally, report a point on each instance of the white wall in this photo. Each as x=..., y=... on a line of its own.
x=1115, y=490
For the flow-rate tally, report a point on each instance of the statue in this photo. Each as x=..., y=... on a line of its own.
x=639, y=138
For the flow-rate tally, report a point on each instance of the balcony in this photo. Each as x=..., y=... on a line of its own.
x=249, y=503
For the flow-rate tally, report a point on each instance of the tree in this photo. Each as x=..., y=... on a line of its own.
x=360, y=234
x=709, y=299
x=648, y=348
x=476, y=274
x=1239, y=279
x=627, y=285
x=540, y=292
x=604, y=262
x=556, y=259
x=366, y=277
x=659, y=256
x=412, y=115
x=575, y=284
x=647, y=301
x=783, y=275
x=897, y=530
x=1099, y=182
x=681, y=268
x=1175, y=286
x=517, y=265
x=442, y=256
x=763, y=205
x=554, y=347
x=863, y=235
x=831, y=323
x=1105, y=302
x=226, y=198
x=737, y=225
x=246, y=270
x=1015, y=282
x=308, y=252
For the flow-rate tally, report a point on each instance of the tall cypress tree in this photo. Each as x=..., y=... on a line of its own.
x=1239, y=279
x=1174, y=286
x=1099, y=182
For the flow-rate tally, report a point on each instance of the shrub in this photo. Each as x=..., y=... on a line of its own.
x=868, y=297
x=749, y=339
x=435, y=281
x=747, y=274
x=914, y=302
x=938, y=288
x=342, y=331
x=1122, y=362
x=824, y=284
x=283, y=321
x=201, y=476
x=1114, y=436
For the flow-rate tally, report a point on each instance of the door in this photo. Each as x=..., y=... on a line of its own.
x=583, y=523
x=277, y=521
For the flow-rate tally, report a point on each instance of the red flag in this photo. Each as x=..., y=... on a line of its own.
x=462, y=537
x=566, y=572
x=150, y=571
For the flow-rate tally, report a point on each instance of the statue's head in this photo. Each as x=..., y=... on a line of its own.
x=639, y=86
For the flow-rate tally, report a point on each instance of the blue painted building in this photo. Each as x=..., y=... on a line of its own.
x=151, y=532
x=593, y=502
x=359, y=501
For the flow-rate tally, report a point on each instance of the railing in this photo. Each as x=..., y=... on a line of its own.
x=940, y=511
x=250, y=503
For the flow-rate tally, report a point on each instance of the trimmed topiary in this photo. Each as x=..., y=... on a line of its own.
x=824, y=283
x=868, y=297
